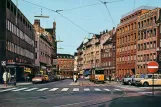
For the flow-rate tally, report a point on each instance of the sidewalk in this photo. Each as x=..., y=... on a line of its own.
x=18, y=84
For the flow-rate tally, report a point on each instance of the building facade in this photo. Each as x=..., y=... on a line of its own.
x=148, y=44
x=65, y=64
x=43, y=43
x=126, y=41
x=16, y=41
x=80, y=59
x=52, y=32
x=75, y=62
x=108, y=54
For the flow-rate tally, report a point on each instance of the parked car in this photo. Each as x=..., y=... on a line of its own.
x=127, y=80
x=46, y=78
x=38, y=78
x=149, y=80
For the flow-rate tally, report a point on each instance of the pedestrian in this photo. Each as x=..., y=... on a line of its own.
x=74, y=77
x=6, y=76
x=109, y=78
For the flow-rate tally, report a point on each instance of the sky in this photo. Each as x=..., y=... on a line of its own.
x=92, y=19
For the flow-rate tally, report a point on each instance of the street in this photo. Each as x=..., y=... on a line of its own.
x=65, y=93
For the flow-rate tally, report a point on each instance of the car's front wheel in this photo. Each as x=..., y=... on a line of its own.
x=146, y=84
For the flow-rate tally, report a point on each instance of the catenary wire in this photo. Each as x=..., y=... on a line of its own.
x=57, y=13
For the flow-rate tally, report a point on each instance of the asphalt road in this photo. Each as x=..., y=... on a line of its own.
x=63, y=94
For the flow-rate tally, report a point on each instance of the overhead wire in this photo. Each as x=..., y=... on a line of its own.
x=57, y=11
x=81, y=7
x=109, y=11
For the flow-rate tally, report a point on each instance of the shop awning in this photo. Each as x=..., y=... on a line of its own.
x=27, y=71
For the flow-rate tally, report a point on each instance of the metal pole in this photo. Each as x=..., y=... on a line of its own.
x=153, y=86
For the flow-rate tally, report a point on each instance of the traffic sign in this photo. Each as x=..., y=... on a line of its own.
x=3, y=63
x=153, y=67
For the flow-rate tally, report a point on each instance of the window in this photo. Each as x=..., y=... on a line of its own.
x=144, y=46
x=154, y=19
x=148, y=45
x=154, y=44
x=151, y=45
x=154, y=32
x=10, y=26
x=154, y=56
x=148, y=22
x=8, y=4
x=139, y=25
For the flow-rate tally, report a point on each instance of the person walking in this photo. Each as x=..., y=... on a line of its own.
x=74, y=77
x=6, y=77
x=109, y=78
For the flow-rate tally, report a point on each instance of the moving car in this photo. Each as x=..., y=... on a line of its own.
x=38, y=78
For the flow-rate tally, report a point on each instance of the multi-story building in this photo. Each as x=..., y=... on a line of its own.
x=16, y=41
x=52, y=32
x=75, y=62
x=65, y=64
x=127, y=36
x=91, y=53
x=80, y=58
x=148, y=39
x=108, y=54
x=43, y=45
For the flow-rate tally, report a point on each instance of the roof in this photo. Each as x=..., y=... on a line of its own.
x=65, y=56
x=98, y=36
x=75, y=54
x=137, y=9
x=50, y=30
x=81, y=45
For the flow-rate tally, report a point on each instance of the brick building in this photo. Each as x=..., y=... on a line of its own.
x=108, y=54
x=65, y=64
x=126, y=40
x=148, y=39
x=16, y=41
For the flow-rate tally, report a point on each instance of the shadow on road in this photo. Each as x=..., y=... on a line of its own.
x=137, y=101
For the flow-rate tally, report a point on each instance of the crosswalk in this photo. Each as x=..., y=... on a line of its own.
x=33, y=89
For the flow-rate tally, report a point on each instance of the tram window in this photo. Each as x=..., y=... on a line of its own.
x=99, y=72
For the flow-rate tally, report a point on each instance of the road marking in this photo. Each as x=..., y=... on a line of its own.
x=31, y=89
x=54, y=89
x=19, y=89
x=86, y=89
x=107, y=89
x=117, y=90
x=65, y=89
x=76, y=89
x=7, y=89
x=42, y=89
x=97, y=89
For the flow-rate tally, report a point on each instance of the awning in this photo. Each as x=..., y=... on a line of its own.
x=27, y=71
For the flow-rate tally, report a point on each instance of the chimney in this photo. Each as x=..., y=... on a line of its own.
x=54, y=29
x=113, y=28
x=106, y=31
x=37, y=22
